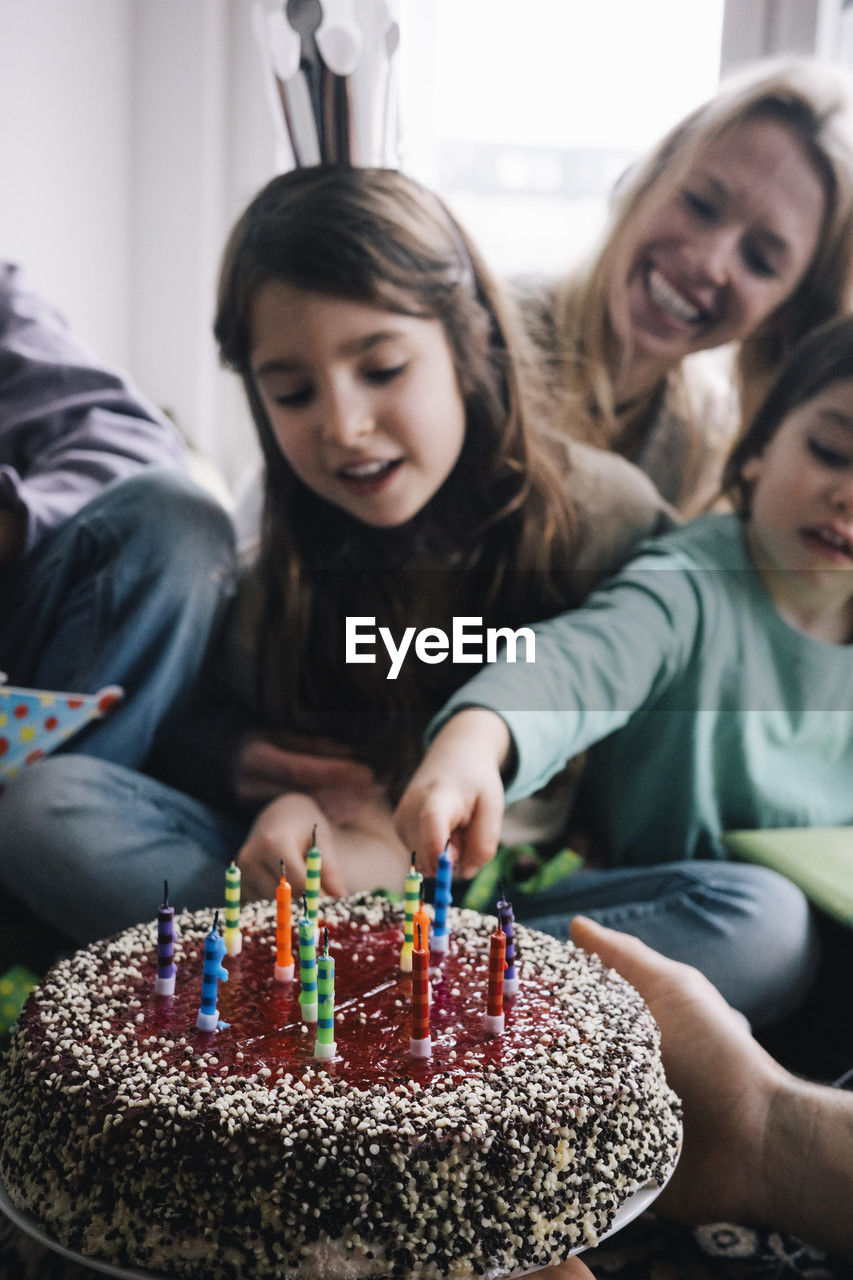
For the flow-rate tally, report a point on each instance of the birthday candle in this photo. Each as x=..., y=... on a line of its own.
x=283, y=950
x=164, y=983
x=493, y=1020
x=422, y=922
x=233, y=936
x=312, y=883
x=444, y=873
x=506, y=919
x=324, y=1045
x=420, y=1041
x=421, y=919
x=212, y=974
x=308, y=966
x=413, y=897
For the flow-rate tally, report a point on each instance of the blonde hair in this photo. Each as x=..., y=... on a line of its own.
x=813, y=102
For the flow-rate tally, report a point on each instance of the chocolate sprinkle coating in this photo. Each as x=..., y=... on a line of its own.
x=132, y=1142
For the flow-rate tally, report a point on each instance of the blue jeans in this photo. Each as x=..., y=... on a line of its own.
x=749, y=929
x=87, y=845
x=125, y=592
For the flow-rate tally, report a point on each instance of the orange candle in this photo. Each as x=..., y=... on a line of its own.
x=420, y=1042
x=421, y=920
x=284, y=964
x=494, y=1019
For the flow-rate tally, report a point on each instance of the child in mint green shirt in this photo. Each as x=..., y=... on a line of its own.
x=710, y=681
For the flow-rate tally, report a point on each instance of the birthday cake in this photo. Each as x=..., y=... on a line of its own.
x=138, y=1139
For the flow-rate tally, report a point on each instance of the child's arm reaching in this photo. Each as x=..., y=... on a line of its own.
x=457, y=793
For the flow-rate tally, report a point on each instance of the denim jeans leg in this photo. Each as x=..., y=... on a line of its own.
x=87, y=845
x=747, y=928
x=125, y=592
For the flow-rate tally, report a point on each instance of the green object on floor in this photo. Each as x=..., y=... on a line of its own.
x=522, y=869
x=15, y=985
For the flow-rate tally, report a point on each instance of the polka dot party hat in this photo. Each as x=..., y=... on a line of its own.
x=34, y=722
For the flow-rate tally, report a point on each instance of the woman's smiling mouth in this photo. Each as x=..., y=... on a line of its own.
x=674, y=304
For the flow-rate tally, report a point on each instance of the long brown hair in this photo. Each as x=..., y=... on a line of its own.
x=496, y=541
x=823, y=357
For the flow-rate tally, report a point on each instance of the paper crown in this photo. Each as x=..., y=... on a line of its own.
x=333, y=78
x=34, y=722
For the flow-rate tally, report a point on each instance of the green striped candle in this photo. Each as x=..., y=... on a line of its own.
x=312, y=883
x=324, y=1045
x=233, y=936
x=411, y=904
x=307, y=966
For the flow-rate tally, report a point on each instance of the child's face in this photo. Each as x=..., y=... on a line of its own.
x=725, y=249
x=801, y=507
x=364, y=403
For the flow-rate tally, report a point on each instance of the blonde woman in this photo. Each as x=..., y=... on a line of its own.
x=737, y=229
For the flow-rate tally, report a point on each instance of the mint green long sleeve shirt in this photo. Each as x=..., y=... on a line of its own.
x=702, y=710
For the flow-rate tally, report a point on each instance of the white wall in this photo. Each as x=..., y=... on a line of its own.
x=65, y=158
x=133, y=133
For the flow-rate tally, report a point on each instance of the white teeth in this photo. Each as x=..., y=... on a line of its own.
x=663, y=295
x=366, y=470
x=835, y=539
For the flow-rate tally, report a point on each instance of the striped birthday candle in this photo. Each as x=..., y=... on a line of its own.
x=411, y=904
x=420, y=1041
x=164, y=983
x=493, y=1020
x=506, y=919
x=312, y=884
x=213, y=973
x=233, y=936
x=307, y=965
x=324, y=1045
x=440, y=938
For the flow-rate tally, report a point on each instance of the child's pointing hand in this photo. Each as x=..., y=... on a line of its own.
x=456, y=795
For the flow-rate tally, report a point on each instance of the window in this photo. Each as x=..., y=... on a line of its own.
x=523, y=116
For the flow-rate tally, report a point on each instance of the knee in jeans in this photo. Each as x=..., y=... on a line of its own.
x=177, y=523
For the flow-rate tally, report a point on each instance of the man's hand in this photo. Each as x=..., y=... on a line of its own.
x=456, y=795
x=726, y=1081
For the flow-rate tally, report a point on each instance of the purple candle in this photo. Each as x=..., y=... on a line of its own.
x=164, y=984
x=506, y=920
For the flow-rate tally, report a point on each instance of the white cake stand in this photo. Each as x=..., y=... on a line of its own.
x=631, y=1209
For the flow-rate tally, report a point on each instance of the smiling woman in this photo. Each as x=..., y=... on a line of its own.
x=738, y=228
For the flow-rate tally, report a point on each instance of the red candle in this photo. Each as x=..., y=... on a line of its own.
x=284, y=965
x=494, y=1019
x=420, y=1042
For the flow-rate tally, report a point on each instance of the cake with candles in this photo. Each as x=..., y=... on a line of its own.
x=479, y=1109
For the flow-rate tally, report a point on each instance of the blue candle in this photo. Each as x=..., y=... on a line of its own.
x=213, y=973
x=440, y=938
